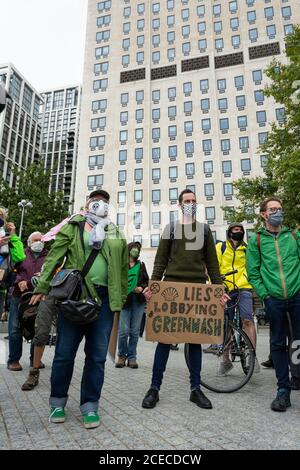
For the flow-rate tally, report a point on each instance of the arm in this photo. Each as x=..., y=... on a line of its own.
x=253, y=264
x=211, y=259
x=16, y=249
x=143, y=281
x=162, y=255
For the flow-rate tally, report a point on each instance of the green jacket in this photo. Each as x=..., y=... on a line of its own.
x=16, y=249
x=274, y=269
x=69, y=244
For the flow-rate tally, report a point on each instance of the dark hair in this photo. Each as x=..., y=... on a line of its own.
x=263, y=205
x=134, y=245
x=185, y=191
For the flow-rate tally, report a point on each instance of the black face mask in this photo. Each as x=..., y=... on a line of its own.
x=237, y=236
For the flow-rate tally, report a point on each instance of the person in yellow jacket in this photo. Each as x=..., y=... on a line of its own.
x=232, y=256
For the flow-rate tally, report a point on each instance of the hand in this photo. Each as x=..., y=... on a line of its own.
x=138, y=290
x=36, y=298
x=4, y=240
x=224, y=299
x=23, y=285
x=147, y=294
x=11, y=228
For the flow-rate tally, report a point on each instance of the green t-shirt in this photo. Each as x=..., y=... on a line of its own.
x=98, y=272
x=133, y=277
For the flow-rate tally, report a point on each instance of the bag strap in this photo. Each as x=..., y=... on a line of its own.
x=223, y=248
x=88, y=264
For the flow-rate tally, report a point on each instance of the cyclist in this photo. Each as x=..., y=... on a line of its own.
x=232, y=256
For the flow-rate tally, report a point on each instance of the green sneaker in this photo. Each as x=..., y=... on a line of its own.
x=57, y=415
x=91, y=420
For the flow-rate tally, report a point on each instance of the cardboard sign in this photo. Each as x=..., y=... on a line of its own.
x=180, y=312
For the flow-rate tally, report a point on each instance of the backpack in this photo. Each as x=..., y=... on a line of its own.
x=259, y=237
x=223, y=247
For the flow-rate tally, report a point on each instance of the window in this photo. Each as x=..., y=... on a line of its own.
x=171, y=37
x=209, y=189
x=171, y=54
x=154, y=241
x=156, y=174
x=170, y=20
x=140, y=8
x=96, y=160
x=223, y=104
x=172, y=150
x=217, y=10
x=156, y=195
x=173, y=172
x=288, y=29
x=251, y=16
x=189, y=148
x=202, y=45
x=121, y=220
x=262, y=137
x=125, y=60
x=123, y=136
x=156, y=40
x=228, y=189
x=206, y=125
x=269, y=13
x=234, y=24
x=140, y=57
x=257, y=76
x=259, y=96
x=171, y=93
x=244, y=143
x=121, y=197
x=207, y=146
x=138, y=154
x=103, y=21
x=172, y=132
x=221, y=84
x=227, y=167
x=189, y=169
x=188, y=107
x=242, y=122
x=102, y=36
x=236, y=40
x=122, y=174
x=138, y=195
x=155, y=57
x=205, y=105
x=239, y=82
x=126, y=28
x=140, y=24
x=186, y=48
x=155, y=218
x=210, y=213
x=101, y=68
x=156, y=134
x=250, y=3
x=261, y=118
x=139, y=115
x=271, y=31
x=97, y=142
x=95, y=180
x=122, y=155
x=156, y=114
x=280, y=114
x=204, y=85
x=139, y=134
x=240, y=101
x=138, y=174
x=155, y=96
x=100, y=85
x=156, y=8
x=139, y=96
x=246, y=164
x=219, y=44
x=173, y=194
x=286, y=12
x=101, y=52
x=173, y=216
x=201, y=10
x=202, y=27
x=170, y=4
x=124, y=99
x=137, y=219
x=225, y=146
x=99, y=105
x=263, y=161
x=140, y=40
x=98, y=123
x=187, y=88
x=126, y=12
x=208, y=167
x=233, y=7
x=155, y=154
x=188, y=127
x=218, y=27
x=224, y=124
x=156, y=24
x=101, y=6
x=172, y=112
x=185, y=14
x=253, y=34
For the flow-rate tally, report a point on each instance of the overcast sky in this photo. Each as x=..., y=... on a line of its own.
x=44, y=39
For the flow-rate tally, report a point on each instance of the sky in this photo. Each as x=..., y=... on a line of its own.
x=44, y=39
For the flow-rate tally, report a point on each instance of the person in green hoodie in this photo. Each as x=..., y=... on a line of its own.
x=106, y=282
x=273, y=267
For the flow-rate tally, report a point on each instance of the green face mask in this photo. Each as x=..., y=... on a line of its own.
x=134, y=253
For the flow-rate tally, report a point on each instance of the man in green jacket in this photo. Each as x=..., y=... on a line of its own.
x=106, y=282
x=273, y=267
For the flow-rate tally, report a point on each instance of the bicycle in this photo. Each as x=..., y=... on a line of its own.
x=236, y=347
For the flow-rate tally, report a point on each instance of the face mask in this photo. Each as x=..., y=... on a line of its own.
x=276, y=219
x=189, y=210
x=134, y=253
x=237, y=236
x=37, y=247
x=99, y=208
x=1, y=222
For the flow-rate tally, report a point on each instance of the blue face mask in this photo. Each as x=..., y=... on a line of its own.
x=276, y=219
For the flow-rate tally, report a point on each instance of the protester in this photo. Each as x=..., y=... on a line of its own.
x=273, y=266
x=106, y=283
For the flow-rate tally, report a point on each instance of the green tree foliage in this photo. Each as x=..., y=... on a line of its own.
x=47, y=208
x=282, y=172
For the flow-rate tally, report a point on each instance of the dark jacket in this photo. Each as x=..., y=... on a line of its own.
x=142, y=282
x=28, y=268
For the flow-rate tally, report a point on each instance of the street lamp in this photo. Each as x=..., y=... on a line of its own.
x=23, y=205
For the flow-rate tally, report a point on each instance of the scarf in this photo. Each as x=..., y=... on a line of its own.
x=97, y=234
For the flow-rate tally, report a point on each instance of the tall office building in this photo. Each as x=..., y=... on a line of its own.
x=59, y=119
x=172, y=98
x=19, y=128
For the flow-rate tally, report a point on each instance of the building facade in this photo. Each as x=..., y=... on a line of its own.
x=20, y=132
x=173, y=98
x=59, y=120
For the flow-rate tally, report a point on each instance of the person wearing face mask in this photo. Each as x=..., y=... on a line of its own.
x=133, y=309
x=232, y=256
x=273, y=266
x=35, y=255
x=106, y=283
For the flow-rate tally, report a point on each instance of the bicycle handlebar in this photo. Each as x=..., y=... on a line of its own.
x=230, y=273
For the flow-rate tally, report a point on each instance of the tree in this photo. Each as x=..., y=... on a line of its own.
x=282, y=171
x=33, y=184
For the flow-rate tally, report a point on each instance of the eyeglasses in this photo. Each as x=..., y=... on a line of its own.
x=273, y=210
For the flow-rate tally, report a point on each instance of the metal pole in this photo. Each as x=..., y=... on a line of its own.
x=21, y=224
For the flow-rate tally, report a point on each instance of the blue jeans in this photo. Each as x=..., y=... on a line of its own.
x=15, y=333
x=129, y=329
x=160, y=362
x=69, y=336
x=276, y=310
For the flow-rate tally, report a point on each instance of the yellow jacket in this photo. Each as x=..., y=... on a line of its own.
x=233, y=259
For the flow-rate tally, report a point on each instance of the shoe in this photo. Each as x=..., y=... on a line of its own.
x=132, y=364
x=295, y=383
x=57, y=415
x=32, y=380
x=41, y=366
x=282, y=400
x=121, y=362
x=151, y=398
x=91, y=420
x=198, y=397
x=174, y=347
x=256, y=367
x=268, y=364
x=225, y=367
x=213, y=349
x=14, y=366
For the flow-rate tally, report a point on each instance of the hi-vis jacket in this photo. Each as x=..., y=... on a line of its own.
x=233, y=258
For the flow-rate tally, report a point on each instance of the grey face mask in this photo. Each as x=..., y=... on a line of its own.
x=276, y=219
x=189, y=210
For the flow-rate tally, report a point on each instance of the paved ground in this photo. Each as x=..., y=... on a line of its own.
x=242, y=420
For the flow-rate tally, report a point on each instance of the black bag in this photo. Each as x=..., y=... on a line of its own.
x=67, y=287
x=27, y=316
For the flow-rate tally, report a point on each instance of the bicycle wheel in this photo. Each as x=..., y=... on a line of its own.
x=237, y=348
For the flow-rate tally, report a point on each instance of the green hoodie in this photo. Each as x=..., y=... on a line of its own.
x=68, y=243
x=274, y=269
x=16, y=249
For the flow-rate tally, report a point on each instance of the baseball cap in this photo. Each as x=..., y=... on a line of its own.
x=100, y=192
